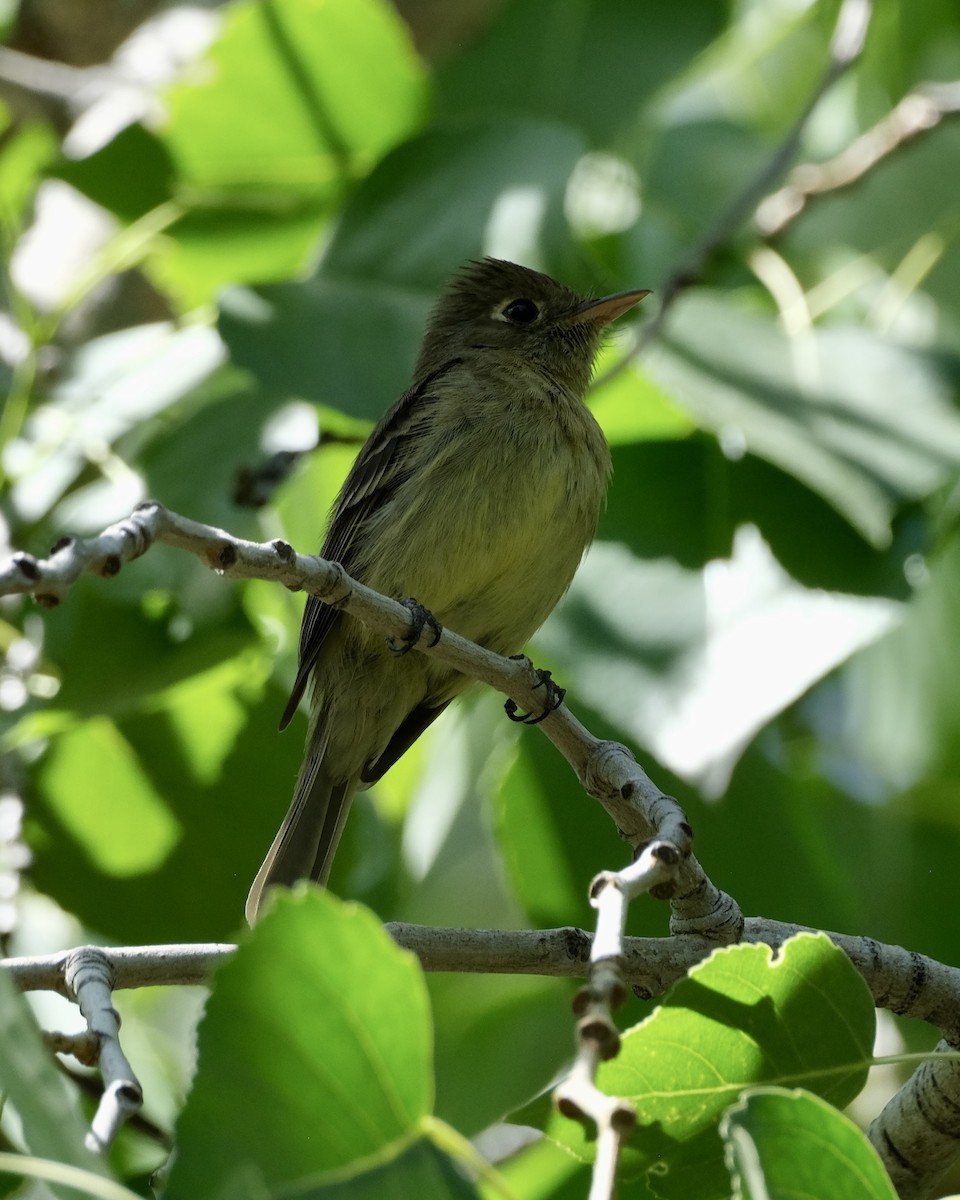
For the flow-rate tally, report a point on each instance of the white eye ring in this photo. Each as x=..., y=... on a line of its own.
x=525, y=312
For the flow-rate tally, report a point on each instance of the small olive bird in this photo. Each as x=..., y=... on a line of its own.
x=476, y=494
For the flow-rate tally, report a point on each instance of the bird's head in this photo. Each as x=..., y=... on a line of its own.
x=503, y=308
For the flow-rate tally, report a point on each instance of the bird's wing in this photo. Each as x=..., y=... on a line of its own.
x=380, y=468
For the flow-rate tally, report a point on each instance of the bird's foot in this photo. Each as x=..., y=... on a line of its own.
x=420, y=618
x=553, y=698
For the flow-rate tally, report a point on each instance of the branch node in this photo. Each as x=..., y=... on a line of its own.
x=340, y=583
x=283, y=550
x=623, y=1118
x=567, y=1107
x=84, y=1047
x=605, y=762
x=27, y=565
x=666, y=852
x=223, y=555
x=600, y=881
x=602, y=1033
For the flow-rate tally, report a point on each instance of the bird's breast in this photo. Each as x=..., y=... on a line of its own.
x=500, y=502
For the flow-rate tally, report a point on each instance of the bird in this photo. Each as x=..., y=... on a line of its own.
x=476, y=495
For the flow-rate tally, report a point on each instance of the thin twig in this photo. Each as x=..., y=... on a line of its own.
x=577, y=1096
x=917, y=113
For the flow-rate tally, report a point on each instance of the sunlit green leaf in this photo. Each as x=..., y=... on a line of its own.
x=97, y=790
x=867, y=424
x=743, y=1017
x=320, y=1023
x=783, y=1143
x=276, y=105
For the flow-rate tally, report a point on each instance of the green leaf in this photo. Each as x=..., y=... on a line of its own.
x=25, y=152
x=296, y=99
x=47, y=1108
x=781, y=1144
x=292, y=94
x=130, y=175
x=148, y=652
x=421, y=1170
x=684, y=499
x=209, y=747
x=499, y=1040
x=653, y=648
x=904, y=692
x=740, y=1018
x=869, y=425
x=111, y=387
x=312, y=340
x=314, y=1055
x=419, y=215
x=592, y=63
x=904, y=206
x=96, y=788
x=553, y=838
x=460, y=190
x=212, y=248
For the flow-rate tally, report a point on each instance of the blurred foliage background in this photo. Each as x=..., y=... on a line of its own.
x=224, y=226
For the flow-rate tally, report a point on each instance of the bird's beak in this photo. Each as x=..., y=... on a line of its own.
x=607, y=309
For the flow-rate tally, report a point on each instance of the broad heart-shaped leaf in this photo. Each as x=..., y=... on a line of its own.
x=29, y=1080
x=741, y=1018
x=867, y=424
x=781, y=1144
x=314, y=1056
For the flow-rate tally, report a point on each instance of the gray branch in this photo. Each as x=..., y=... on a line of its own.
x=901, y=981
x=607, y=770
x=88, y=980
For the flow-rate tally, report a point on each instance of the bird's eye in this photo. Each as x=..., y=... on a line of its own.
x=521, y=312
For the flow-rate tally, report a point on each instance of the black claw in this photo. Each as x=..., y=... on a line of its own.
x=420, y=618
x=553, y=700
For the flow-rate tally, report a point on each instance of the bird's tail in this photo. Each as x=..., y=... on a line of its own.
x=308, y=838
